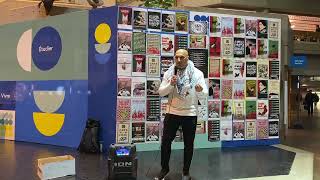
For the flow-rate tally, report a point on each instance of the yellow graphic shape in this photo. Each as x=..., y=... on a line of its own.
x=102, y=48
x=102, y=33
x=24, y=50
x=48, y=124
x=49, y=101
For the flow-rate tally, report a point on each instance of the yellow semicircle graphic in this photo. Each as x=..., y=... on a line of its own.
x=48, y=124
x=102, y=33
x=24, y=49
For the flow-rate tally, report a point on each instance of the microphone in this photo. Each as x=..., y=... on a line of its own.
x=175, y=70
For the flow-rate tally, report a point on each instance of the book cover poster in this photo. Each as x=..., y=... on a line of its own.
x=198, y=41
x=167, y=45
x=262, y=109
x=153, y=44
x=153, y=85
x=138, y=87
x=226, y=91
x=225, y=130
x=251, y=69
x=214, y=68
x=227, y=47
x=262, y=89
x=238, y=130
x=202, y=113
x=262, y=29
x=168, y=21
x=251, y=48
x=273, y=129
x=153, y=132
x=273, y=49
x=263, y=69
x=124, y=86
x=213, y=131
x=124, y=66
x=153, y=109
x=140, y=18
x=274, y=109
x=213, y=110
x=123, y=133
x=262, y=48
x=139, y=43
x=239, y=110
x=138, y=132
x=165, y=64
x=239, y=48
x=214, y=88
x=123, y=110
x=239, y=24
x=181, y=42
x=179, y=135
x=139, y=65
x=274, y=70
x=124, y=41
x=201, y=127
x=227, y=68
x=138, y=109
x=273, y=30
x=153, y=66
x=164, y=104
x=238, y=69
x=226, y=110
x=154, y=20
x=182, y=22
x=215, y=26
x=198, y=27
x=251, y=28
x=251, y=109
x=251, y=130
x=199, y=57
x=125, y=18
x=238, y=89
x=274, y=89
x=215, y=46
x=227, y=26
x=262, y=129
x=251, y=89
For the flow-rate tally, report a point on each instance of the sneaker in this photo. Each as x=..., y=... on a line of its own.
x=186, y=176
x=162, y=175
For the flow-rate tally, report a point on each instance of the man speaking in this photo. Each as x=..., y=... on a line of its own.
x=184, y=84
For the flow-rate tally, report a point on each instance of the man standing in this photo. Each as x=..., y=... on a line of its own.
x=308, y=100
x=184, y=84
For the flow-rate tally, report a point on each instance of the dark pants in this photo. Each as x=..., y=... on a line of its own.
x=310, y=108
x=171, y=125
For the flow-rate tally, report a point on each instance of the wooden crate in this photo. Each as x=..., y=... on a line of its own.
x=54, y=167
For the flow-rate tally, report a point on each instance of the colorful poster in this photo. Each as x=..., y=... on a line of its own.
x=262, y=29
x=139, y=43
x=182, y=22
x=167, y=45
x=153, y=44
x=251, y=28
x=199, y=57
x=251, y=89
x=226, y=91
x=7, y=124
x=164, y=103
x=153, y=109
x=251, y=48
x=227, y=47
x=124, y=41
x=202, y=113
x=274, y=89
x=198, y=41
x=251, y=69
x=214, y=88
x=225, y=130
x=154, y=20
x=274, y=109
x=273, y=30
x=201, y=127
x=238, y=130
x=124, y=66
x=239, y=48
x=227, y=26
x=251, y=130
x=273, y=49
x=273, y=129
x=251, y=109
x=153, y=66
x=181, y=42
x=123, y=133
x=226, y=110
x=123, y=110
x=262, y=89
x=153, y=85
x=139, y=65
x=124, y=86
x=215, y=46
x=125, y=18
x=262, y=129
x=140, y=18
x=168, y=21
x=227, y=68
x=215, y=26
x=239, y=110
x=263, y=69
x=153, y=132
x=165, y=64
x=238, y=89
x=213, y=131
x=274, y=70
x=138, y=132
x=138, y=87
x=138, y=109
x=198, y=27
x=238, y=69
x=214, y=68
x=262, y=48
x=213, y=110
x=239, y=24
x=262, y=109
